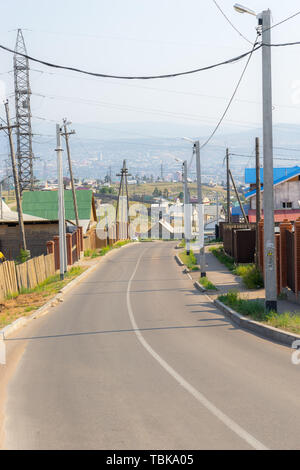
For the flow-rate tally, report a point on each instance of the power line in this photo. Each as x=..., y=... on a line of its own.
x=121, y=77
x=286, y=19
x=232, y=97
x=159, y=112
x=231, y=24
x=278, y=157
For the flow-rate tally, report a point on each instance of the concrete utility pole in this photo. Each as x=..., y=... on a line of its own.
x=228, y=187
x=61, y=206
x=200, y=212
x=187, y=221
x=264, y=25
x=9, y=128
x=66, y=135
x=258, y=197
x=269, y=226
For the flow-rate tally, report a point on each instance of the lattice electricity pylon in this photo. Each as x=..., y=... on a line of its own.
x=24, y=152
x=122, y=212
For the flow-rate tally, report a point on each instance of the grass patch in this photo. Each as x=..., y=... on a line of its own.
x=255, y=309
x=28, y=300
x=121, y=243
x=250, y=274
x=189, y=260
x=205, y=282
x=220, y=254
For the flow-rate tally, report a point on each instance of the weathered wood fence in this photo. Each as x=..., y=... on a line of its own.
x=14, y=278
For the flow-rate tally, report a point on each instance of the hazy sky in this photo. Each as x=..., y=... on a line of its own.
x=137, y=37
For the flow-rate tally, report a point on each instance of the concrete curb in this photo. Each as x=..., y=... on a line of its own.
x=268, y=332
x=178, y=260
x=199, y=287
x=21, y=322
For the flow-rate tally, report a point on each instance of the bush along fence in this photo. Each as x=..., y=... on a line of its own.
x=16, y=278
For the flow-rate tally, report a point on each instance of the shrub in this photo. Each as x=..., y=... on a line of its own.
x=205, y=282
x=251, y=276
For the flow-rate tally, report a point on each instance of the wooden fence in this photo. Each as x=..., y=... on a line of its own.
x=14, y=278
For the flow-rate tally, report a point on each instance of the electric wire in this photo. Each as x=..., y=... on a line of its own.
x=232, y=97
x=123, y=77
x=231, y=24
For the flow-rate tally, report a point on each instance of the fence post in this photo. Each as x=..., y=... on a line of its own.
x=261, y=245
x=285, y=225
x=50, y=247
x=297, y=256
x=278, y=263
x=81, y=238
x=56, y=252
x=69, y=249
x=77, y=245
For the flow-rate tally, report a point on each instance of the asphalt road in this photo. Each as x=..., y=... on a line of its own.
x=136, y=358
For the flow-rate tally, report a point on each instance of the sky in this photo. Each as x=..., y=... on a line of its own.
x=140, y=37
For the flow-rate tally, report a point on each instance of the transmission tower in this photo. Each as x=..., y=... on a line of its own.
x=23, y=115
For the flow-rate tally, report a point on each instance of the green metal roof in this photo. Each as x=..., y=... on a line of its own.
x=45, y=204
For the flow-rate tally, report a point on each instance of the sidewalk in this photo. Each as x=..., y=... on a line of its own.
x=226, y=281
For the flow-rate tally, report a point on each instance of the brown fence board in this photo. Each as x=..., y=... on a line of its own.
x=49, y=265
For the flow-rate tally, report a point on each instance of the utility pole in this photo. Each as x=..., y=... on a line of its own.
x=9, y=128
x=217, y=218
x=269, y=226
x=123, y=189
x=228, y=186
x=187, y=221
x=66, y=135
x=238, y=198
x=61, y=205
x=200, y=211
x=258, y=198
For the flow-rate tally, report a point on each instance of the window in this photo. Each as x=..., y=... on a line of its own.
x=287, y=205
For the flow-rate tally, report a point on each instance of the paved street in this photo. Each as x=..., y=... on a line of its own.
x=136, y=358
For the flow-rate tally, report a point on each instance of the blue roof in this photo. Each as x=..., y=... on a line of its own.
x=236, y=210
x=280, y=175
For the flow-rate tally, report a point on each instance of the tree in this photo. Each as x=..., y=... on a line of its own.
x=166, y=193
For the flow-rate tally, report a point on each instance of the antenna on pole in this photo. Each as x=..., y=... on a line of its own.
x=24, y=152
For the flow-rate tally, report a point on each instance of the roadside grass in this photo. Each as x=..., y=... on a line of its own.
x=255, y=309
x=220, y=254
x=102, y=251
x=250, y=274
x=189, y=260
x=24, y=303
x=205, y=282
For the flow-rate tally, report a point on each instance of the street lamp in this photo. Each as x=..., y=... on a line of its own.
x=202, y=263
x=241, y=9
x=264, y=24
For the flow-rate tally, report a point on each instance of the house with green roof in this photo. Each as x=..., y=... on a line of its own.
x=44, y=204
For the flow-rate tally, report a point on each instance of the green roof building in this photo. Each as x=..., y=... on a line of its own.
x=44, y=204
